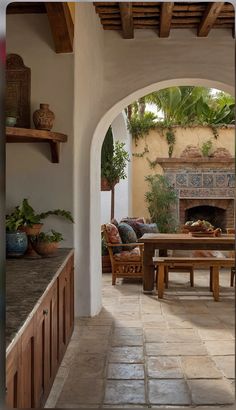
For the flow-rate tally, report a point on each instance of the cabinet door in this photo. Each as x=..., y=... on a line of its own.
x=13, y=393
x=27, y=366
x=65, y=306
x=46, y=347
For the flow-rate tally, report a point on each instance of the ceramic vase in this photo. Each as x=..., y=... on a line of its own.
x=43, y=118
x=16, y=244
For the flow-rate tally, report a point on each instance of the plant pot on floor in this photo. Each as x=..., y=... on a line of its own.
x=16, y=244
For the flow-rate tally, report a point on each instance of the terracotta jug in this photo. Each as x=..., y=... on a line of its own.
x=43, y=118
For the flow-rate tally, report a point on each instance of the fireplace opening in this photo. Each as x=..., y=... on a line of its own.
x=216, y=216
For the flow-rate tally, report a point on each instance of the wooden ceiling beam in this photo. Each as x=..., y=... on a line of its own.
x=165, y=19
x=209, y=18
x=62, y=26
x=126, y=15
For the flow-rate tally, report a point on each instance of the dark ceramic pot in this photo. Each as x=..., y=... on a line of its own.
x=16, y=243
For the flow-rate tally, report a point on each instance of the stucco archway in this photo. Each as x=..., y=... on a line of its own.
x=106, y=120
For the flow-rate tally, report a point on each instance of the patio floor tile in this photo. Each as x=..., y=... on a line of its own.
x=124, y=392
x=226, y=364
x=211, y=392
x=125, y=371
x=169, y=392
x=164, y=367
x=195, y=367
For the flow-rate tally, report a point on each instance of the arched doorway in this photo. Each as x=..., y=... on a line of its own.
x=93, y=305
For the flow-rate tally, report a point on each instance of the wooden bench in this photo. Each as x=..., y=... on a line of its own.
x=214, y=264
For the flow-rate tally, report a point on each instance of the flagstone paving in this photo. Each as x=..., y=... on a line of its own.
x=149, y=353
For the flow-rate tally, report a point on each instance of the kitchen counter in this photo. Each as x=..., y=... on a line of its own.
x=26, y=282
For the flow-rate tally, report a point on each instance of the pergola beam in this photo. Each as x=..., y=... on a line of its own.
x=209, y=18
x=126, y=15
x=62, y=26
x=165, y=19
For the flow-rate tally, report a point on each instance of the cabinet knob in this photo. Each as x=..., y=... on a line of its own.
x=45, y=311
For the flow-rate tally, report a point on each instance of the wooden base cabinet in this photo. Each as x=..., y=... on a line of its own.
x=32, y=363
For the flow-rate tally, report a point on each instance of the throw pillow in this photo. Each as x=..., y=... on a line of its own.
x=147, y=228
x=127, y=234
x=114, y=237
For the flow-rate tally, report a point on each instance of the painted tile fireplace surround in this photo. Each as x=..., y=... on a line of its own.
x=203, y=182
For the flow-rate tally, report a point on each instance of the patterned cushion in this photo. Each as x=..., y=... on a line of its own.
x=127, y=234
x=127, y=256
x=114, y=222
x=113, y=237
x=147, y=228
x=133, y=222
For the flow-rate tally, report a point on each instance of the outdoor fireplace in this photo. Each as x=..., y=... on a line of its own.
x=205, y=188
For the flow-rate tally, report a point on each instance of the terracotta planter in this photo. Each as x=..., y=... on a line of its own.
x=43, y=118
x=45, y=249
x=106, y=186
x=32, y=230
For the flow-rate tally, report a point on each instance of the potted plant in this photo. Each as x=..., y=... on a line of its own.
x=31, y=222
x=16, y=240
x=162, y=202
x=113, y=163
x=46, y=244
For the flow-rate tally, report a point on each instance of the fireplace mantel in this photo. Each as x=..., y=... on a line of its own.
x=202, y=162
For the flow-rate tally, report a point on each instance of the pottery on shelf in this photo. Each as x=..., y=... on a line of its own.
x=43, y=118
x=45, y=249
x=11, y=121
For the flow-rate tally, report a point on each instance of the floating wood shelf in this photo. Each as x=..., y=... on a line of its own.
x=54, y=139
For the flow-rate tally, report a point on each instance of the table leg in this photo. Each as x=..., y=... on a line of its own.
x=215, y=282
x=148, y=268
x=161, y=276
x=210, y=284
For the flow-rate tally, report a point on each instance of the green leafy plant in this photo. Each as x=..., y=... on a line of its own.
x=13, y=222
x=26, y=215
x=51, y=236
x=170, y=138
x=162, y=200
x=140, y=125
x=206, y=148
x=113, y=169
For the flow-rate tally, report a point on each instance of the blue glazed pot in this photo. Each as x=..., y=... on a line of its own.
x=16, y=243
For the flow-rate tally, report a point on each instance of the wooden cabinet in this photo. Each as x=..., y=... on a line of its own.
x=13, y=397
x=27, y=366
x=46, y=344
x=66, y=306
x=32, y=363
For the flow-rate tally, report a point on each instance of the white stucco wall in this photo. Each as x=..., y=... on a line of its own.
x=29, y=171
x=126, y=70
x=123, y=190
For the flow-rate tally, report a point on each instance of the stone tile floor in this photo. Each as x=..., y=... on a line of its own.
x=149, y=353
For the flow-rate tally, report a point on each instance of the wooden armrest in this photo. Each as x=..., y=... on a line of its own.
x=125, y=244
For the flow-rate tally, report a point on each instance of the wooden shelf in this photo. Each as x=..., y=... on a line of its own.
x=14, y=134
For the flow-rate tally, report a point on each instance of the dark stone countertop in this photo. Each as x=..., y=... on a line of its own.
x=26, y=282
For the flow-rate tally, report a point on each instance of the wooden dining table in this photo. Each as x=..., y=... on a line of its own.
x=180, y=241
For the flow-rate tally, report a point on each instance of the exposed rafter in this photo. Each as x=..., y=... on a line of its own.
x=165, y=19
x=127, y=24
x=62, y=26
x=209, y=18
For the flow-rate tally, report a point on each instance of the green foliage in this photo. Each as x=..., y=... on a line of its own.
x=58, y=212
x=104, y=249
x=141, y=154
x=13, y=222
x=140, y=125
x=162, y=201
x=170, y=138
x=24, y=214
x=49, y=237
x=114, y=161
x=206, y=148
x=107, y=151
